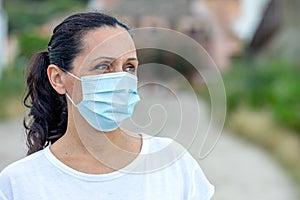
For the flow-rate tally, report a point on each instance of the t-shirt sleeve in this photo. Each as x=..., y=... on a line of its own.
x=197, y=186
x=200, y=188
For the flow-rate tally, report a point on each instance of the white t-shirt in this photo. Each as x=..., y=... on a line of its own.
x=161, y=171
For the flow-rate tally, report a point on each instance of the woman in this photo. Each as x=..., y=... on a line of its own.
x=79, y=92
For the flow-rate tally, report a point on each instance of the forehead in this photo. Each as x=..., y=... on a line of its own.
x=108, y=42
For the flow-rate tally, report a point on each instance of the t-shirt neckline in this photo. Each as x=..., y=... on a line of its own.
x=99, y=177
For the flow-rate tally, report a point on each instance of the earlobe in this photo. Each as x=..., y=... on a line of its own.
x=56, y=78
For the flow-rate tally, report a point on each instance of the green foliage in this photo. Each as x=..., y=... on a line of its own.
x=30, y=43
x=12, y=87
x=273, y=85
x=24, y=17
x=29, y=13
x=12, y=82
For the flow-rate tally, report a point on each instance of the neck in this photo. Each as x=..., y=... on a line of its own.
x=104, y=150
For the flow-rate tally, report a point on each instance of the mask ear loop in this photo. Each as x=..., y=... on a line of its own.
x=71, y=100
x=69, y=73
x=67, y=95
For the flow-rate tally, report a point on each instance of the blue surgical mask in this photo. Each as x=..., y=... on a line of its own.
x=107, y=99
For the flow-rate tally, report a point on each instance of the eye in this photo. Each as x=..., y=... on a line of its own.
x=102, y=67
x=130, y=68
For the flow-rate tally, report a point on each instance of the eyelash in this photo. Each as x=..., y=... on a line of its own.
x=132, y=68
x=101, y=65
x=105, y=66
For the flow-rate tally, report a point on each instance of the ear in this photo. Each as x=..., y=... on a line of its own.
x=57, y=78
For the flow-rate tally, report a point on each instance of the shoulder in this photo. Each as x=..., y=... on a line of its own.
x=19, y=174
x=154, y=143
x=166, y=152
x=167, y=146
x=21, y=166
x=172, y=158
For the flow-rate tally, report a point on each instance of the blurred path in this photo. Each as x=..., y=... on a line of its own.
x=12, y=144
x=239, y=170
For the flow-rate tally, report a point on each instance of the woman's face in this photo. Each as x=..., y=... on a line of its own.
x=105, y=50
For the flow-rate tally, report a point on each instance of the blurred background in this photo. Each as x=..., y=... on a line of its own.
x=254, y=43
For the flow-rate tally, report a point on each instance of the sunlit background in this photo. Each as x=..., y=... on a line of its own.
x=254, y=43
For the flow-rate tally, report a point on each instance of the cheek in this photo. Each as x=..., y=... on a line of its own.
x=75, y=90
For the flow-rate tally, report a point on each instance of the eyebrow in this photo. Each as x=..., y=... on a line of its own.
x=110, y=58
x=103, y=57
x=134, y=59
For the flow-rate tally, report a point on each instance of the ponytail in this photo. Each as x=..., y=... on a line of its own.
x=47, y=118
